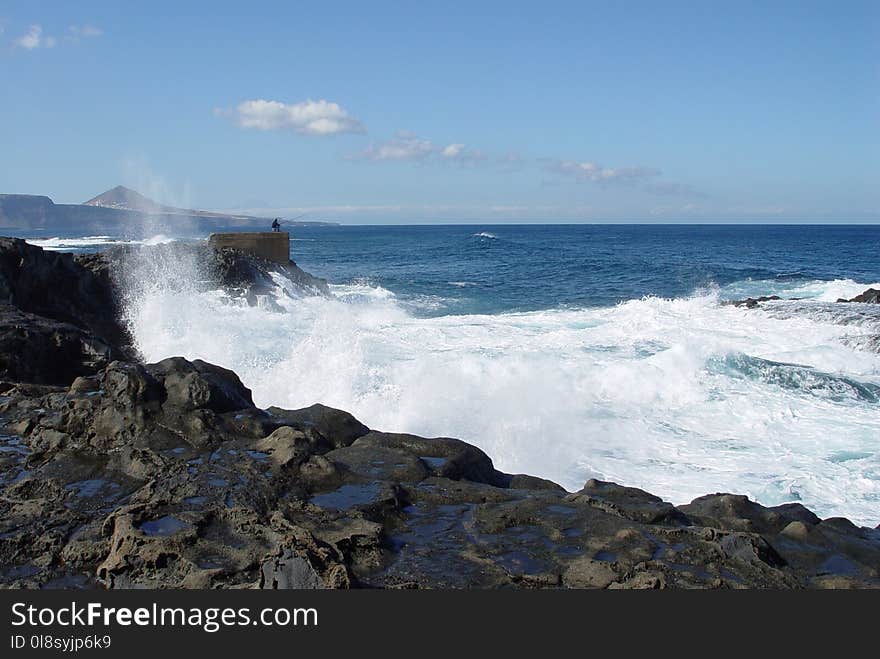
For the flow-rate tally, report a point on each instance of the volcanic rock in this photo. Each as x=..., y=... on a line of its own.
x=870, y=296
x=166, y=475
x=752, y=302
x=58, y=287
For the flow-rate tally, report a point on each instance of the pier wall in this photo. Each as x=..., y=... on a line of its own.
x=270, y=245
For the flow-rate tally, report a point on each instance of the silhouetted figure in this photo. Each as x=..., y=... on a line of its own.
x=276, y=226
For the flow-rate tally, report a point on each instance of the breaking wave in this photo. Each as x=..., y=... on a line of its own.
x=681, y=397
x=94, y=242
x=795, y=287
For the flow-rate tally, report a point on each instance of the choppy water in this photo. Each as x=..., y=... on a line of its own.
x=573, y=352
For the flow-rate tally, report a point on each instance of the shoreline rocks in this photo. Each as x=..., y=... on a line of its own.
x=120, y=474
x=870, y=296
x=60, y=314
x=751, y=302
x=58, y=318
x=179, y=262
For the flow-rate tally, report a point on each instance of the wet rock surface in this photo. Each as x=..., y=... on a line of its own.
x=57, y=286
x=45, y=351
x=237, y=272
x=752, y=302
x=60, y=314
x=166, y=475
x=870, y=296
x=58, y=318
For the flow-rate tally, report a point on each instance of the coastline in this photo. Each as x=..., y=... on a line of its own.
x=121, y=474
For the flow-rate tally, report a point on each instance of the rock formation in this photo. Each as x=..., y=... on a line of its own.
x=752, y=302
x=870, y=296
x=118, y=474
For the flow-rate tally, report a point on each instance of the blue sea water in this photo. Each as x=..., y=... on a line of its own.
x=494, y=269
x=571, y=352
x=490, y=269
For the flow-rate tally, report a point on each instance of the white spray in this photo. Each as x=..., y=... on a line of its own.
x=680, y=397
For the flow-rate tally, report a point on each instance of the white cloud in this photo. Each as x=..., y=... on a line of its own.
x=452, y=151
x=307, y=118
x=512, y=160
x=84, y=31
x=462, y=155
x=407, y=146
x=403, y=146
x=34, y=38
x=666, y=189
x=645, y=178
x=75, y=33
x=590, y=171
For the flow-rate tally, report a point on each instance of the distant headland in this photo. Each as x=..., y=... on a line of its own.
x=117, y=209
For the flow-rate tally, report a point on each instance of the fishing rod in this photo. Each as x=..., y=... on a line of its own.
x=298, y=217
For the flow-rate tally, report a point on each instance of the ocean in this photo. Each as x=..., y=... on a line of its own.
x=574, y=351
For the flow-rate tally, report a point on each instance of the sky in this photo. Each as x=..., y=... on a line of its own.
x=380, y=112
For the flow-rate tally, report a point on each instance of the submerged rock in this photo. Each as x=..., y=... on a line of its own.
x=870, y=296
x=752, y=302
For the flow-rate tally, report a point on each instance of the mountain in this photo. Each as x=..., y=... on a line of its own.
x=128, y=199
x=121, y=210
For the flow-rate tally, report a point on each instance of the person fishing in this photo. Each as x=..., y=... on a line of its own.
x=276, y=223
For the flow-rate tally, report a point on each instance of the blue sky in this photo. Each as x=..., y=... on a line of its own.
x=474, y=111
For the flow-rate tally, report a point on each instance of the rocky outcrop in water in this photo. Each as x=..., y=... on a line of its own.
x=235, y=271
x=751, y=302
x=60, y=313
x=167, y=475
x=58, y=318
x=59, y=286
x=870, y=296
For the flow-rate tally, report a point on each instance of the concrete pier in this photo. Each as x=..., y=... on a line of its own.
x=269, y=245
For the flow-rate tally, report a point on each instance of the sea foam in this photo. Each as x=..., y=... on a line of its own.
x=681, y=397
x=94, y=242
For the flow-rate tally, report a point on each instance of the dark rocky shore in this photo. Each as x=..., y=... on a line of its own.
x=118, y=474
